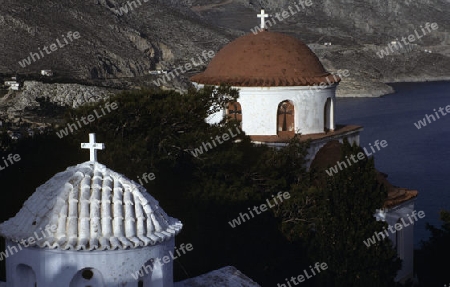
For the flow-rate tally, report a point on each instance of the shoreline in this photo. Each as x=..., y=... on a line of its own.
x=388, y=90
x=415, y=80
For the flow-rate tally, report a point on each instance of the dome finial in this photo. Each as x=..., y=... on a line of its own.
x=263, y=17
x=93, y=147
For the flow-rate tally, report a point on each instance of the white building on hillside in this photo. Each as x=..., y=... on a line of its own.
x=47, y=73
x=12, y=84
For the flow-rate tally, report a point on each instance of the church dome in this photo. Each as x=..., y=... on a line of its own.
x=91, y=207
x=265, y=59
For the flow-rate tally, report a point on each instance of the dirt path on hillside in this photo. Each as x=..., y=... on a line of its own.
x=210, y=6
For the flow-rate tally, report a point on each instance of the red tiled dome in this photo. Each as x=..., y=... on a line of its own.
x=265, y=59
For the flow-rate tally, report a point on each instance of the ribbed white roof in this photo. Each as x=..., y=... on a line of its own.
x=93, y=208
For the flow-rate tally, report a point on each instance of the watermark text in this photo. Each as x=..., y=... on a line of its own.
x=423, y=123
x=87, y=120
x=243, y=217
x=50, y=49
x=393, y=229
x=148, y=269
x=301, y=278
x=355, y=158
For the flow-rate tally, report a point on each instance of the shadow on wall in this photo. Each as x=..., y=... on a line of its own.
x=2, y=262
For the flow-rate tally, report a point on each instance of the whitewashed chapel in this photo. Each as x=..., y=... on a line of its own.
x=284, y=90
x=89, y=226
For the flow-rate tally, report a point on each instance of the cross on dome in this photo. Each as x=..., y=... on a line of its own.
x=263, y=17
x=93, y=147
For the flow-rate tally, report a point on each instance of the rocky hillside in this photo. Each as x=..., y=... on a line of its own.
x=357, y=31
x=118, y=43
x=69, y=95
x=110, y=45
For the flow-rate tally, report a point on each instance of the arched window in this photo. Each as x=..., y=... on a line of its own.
x=327, y=116
x=87, y=277
x=234, y=111
x=285, y=118
x=150, y=274
x=25, y=276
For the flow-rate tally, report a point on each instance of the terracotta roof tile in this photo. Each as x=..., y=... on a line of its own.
x=265, y=59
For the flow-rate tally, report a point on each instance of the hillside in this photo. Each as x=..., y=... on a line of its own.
x=109, y=46
x=357, y=30
x=119, y=50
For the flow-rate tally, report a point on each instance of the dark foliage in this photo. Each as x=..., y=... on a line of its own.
x=49, y=109
x=155, y=131
x=430, y=260
x=334, y=216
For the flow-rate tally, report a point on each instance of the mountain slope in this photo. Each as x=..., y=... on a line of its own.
x=110, y=45
x=120, y=41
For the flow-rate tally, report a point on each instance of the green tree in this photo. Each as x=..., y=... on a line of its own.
x=158, y=131
x=334, y=216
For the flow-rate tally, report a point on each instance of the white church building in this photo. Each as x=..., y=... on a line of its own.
x=284, y=90
x=89, y=226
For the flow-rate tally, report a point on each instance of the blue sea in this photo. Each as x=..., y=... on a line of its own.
x=414, y=158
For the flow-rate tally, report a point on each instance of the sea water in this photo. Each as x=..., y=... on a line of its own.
x=415, y=158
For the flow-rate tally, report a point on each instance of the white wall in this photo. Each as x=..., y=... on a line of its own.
x=56, y=268
x=260, y=104
x=391, y=216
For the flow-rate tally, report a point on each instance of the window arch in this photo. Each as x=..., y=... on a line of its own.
x=399, y=242
x=328, y=116
x=150, y=271
x=285, y=118
x=87, y=277
x=234, y=111
x=25, y=276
